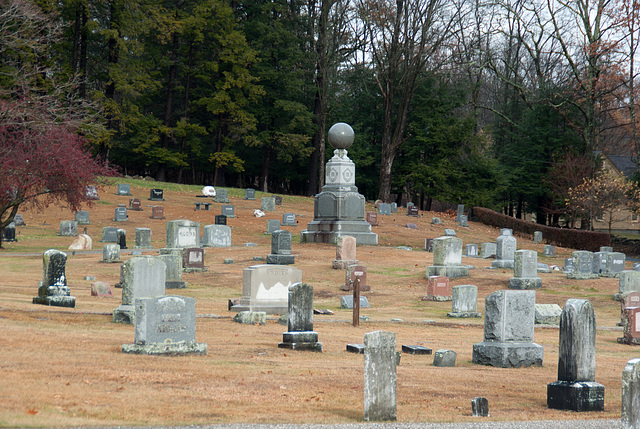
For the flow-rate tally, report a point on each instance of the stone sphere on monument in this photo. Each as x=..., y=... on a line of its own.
x=341, y=135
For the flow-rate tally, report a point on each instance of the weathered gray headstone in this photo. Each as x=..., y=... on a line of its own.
x=183, y=233
x=143, y=238
x=140, y=277
x=460, y=213
x=268, y=204
x=19, y=220
x=165, y=325
x=629, y=281
x=266, y=288
x=568, y=265
x=444, y=358
x=111, y=253
x=82, y=217
x=606, y=249
x=300, y=334
x=288, y=219
x=273, y=225
x=449, y=232
x=228, y=210
x=173, y=270
x=525, y=271
x=394, y=207
x=53, y=289
x=464, y=301
x=463, y=221
x=380, y=401
x=216, y=236
x=68, y=228
x=630, y=418
x=251, y=318
x=614, y=265
x=123, y=189
x=121, y=214
x=548, y=314
x=384, y=209
x=436, y=221
x=488, y=250
x=249, y=194
x=447, y=258
x=505, y=250
x=599, y=262
x=576, y=388
x=550, y=250
x=508, y=331
x=345, y=252
x=537, y=237
x=582, y=266
x=222, y=196
x=346, y=301
x=109, y=234
x=471, y=250
x=278, y=199
x=281, y=249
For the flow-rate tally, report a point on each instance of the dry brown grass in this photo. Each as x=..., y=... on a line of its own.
x=64, y=367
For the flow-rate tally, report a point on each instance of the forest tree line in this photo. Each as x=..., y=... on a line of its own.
x=499, y=103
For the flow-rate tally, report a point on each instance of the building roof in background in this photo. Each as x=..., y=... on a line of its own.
x=627, y=165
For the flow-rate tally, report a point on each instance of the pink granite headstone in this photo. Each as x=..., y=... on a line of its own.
x=345, y=252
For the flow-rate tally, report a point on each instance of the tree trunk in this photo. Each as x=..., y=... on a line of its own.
x=168, y=108
x=265, y=170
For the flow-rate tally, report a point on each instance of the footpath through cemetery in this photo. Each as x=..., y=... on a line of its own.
x=258, y=319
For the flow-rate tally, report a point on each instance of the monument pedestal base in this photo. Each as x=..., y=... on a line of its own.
x=301, y=340
x=581, y=276
x=280, y=259
x=464, y=315
x=525, y=283
x=175, y=285
x=328, y=231
x=124, y=314
x=630, y=341
x=166, y=349
x=507, y=355
x=503, y=263
x=56, y=301
x=342, y=264
x=575, y=395
x=448, y=271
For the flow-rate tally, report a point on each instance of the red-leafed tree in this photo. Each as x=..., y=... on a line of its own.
x=43, y=157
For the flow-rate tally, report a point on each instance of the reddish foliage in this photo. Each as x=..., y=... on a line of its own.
x=40, y=166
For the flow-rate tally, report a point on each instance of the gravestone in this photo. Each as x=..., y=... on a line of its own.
x=410, y=204
x=121, y=234
x=444, y=358
x=91, y=193
x=582, y=266
x=135, y=204
x=464, y=302
x=143, y=238
x=438, y=289
x=281, y=249
x=480, y=407
x=277, y=199
x=109, y=234
x=193, y=259
x=568, y=265
x=413, y=211
x=157, y=212
x=599, y=262
x=428, y=244
x=505, y=250
x=288, y=219
x=82, y=217
x=165, y=326
x=249, y=194
x=121, y=214
x=448, y=232
x=459, y=213
x=550, y=250
x=346, y=302
x=53, y=289
x=380, y=401
x=251, y=318
x=353, y=272
x=416, y=349
x=548, y=314
x=140, y=277
x=412, y=226
x=216, y=236
x=273, y=225
x=394, y=207
x=384, y=209
x=266, y=288
x=537, y=237
x=471, y=250
x=228, y=211
x=631, y=326
x=345, y=252
x=630, y=416
x=606, y=249
x=372, y=218
x=220, y=219
x=300, y=334
x=183, y=233
x=525, y=271
x=339, y=209
x=268, y=204
x=156, y=195
x=9, y=232
x=508, y=331
x=123, y=189
x=488, y=250
x=81, y=242
x=614, y=265
x=629, y=281
x=19, y=220
x=628, y=300
x=463, y=221
x=576, y=388
x=436, y=221
x=101, y=289
x=68, y=228
x=222, y=196
x=111, y=253
x=447, y=258
x=173, y=270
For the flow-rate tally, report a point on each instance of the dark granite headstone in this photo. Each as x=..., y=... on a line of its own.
x=53, y=289
x=220, y=219
x=480, y=407
x=156, y=195
x=300, y=334
x=249, y=194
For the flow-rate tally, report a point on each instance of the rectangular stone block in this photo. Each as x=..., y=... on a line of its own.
x=380, y=401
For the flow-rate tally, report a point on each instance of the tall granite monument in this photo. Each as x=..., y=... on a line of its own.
x=339, y=209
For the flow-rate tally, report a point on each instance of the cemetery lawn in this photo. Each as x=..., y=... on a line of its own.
x=65, y=367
